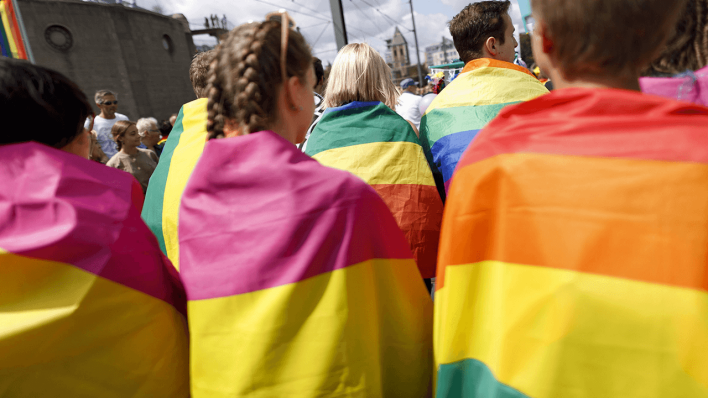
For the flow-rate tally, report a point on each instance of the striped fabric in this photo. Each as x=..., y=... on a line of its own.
x=299, y=282
x=11, y=42
x=89, y=307
x=183, y=148
x=374, y=143
x=574, y=252
x=467, y=104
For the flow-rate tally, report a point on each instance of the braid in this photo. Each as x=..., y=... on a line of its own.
x=688, y=48
x=245, y=75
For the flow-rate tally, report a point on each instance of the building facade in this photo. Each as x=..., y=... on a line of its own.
x=397, y=55
x=440, y=54
x=141, y=55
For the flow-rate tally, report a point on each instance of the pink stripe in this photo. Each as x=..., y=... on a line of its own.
x=273, y=216
x=59, y=207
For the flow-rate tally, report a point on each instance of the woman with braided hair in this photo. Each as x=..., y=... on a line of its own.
x=299, y=282
x=681, y=71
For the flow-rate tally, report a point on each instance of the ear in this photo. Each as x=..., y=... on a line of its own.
x=491, y=46
x=294, y=88
x=546, y=40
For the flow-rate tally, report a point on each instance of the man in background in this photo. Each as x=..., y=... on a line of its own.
x=409, y=102
x=107, y=102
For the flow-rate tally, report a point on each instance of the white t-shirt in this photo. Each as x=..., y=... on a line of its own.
x=105, y=138
x=408, y=107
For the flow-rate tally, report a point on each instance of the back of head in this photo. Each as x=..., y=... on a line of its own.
x=477, y=22
x=360, y=74
x=688, y=47
x=606, y=37
x=319, y=70
x=39, y=104
x=145, y=123
x=199, y=72
x=246, y=76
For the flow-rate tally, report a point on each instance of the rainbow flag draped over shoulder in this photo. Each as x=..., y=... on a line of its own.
x=299, y=281
x=574, y=252
x=89, y=306
x=11, y=43
x=374, y=143
x=467, y=104
x=183, y=148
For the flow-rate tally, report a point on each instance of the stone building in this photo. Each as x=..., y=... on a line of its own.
x=441, y=53
x=397, y=55
x=141, y=55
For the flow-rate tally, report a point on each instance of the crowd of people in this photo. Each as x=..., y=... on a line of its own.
x=266, y=244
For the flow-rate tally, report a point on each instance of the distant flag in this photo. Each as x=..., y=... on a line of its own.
x=467, y=104
x=374, y=143
x=182, y=150
x=12, y=43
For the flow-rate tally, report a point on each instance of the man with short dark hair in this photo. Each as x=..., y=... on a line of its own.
x=484, y=37
x=107, y=102
x=198, y=71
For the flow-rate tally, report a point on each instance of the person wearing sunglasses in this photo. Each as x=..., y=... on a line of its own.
x=107, y=101
x=299, y=281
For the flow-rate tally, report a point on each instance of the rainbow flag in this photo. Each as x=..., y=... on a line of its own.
x=11, y=42
x=466, y=105
x=183, y=148
x=391, y=160
x=573, y=258
x=299, y=281
x=89, y=307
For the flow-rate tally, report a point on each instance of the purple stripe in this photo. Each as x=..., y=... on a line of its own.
x=273, y=216
x=59, y=207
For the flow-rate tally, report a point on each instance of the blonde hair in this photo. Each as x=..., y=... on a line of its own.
x=360, y=74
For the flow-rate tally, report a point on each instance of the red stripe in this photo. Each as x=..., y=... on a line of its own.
x=601, y=123
x=493, y=63
x=16, y=30
x=418, y=211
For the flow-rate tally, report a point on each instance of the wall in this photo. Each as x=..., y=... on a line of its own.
x=116, y=48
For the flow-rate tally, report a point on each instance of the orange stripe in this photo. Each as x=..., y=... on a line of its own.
x=493, y=63
x=637, y=219
x=418, y=212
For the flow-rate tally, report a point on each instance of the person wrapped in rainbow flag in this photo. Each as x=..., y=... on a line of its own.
x=299, y=281
x=484, y=37
x=573, y=258
x=89, y=306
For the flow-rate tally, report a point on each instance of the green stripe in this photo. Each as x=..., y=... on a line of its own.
x=364, y=125
x=440, y=122
x=154, y=198
x=471, y=378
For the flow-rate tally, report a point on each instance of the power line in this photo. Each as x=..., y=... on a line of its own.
x=295, y=11
x=386, y=16
x=321, y=33
x=365, y=17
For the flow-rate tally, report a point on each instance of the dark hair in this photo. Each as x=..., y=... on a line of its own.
x=246, y=74
x=199, y=72
x=606, y=37
x=688, y=48
x=319, y=70
x=165, y=128
x=477, y=22
x=39, y=104
x=118, y=131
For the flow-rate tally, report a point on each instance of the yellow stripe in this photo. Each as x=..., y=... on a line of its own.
x=488, y=86
x=381, y=162
x=336, y=334
x=560, y=333
x=8, y=30
x=65, y=332
x=185, y=157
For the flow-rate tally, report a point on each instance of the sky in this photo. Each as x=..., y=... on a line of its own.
x=370, y=21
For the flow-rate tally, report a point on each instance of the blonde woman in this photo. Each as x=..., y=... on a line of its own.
x=360, y=132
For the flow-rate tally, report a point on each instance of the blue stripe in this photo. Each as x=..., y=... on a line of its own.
x=471, y=378
x=447, y=151
x=352, y=105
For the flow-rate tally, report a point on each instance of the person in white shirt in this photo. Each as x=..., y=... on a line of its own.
x=107, y=101
x=408, y=102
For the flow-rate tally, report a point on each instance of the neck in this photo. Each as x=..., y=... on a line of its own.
x=129, y=150
x=280, y=129
x=627, y=81
x=103, y=115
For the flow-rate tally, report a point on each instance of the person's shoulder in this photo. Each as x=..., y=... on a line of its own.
x=120, y=116
x=149, y=153
x=115, y=160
